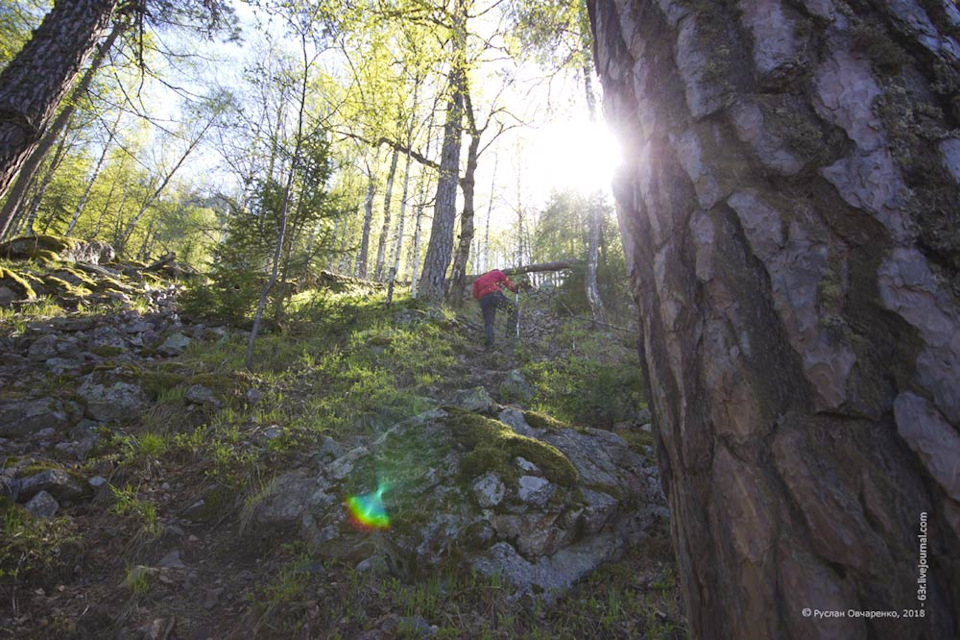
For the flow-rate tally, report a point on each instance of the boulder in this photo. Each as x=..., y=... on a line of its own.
x=175, y=344
x=111, y=402
x=9, y=488
x=199, y=394
x=515, y=388
x=456, y=486
x=56, y=482
x=24, y=417
x=475, y=399
x=44, y=348
x=42, y=505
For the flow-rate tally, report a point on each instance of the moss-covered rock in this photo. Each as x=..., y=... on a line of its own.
x=493, y=447
x=539, y=420
x=17, y=284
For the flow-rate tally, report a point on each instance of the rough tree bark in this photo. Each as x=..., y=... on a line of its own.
x=789, y=212
x=34, y=83
x=440, y=247
x=31, y=163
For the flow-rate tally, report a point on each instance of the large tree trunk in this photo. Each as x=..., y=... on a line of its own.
x=34, y=83
x=440, y=247
x=29, y=167
x=789, y=211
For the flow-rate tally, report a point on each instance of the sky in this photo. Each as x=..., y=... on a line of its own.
x=559, y=149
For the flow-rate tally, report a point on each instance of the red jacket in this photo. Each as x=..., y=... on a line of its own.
x=490, y=282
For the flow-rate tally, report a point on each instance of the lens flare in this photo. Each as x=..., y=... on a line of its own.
x=367, y=512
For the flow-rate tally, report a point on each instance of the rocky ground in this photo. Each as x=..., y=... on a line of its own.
x=151, y=490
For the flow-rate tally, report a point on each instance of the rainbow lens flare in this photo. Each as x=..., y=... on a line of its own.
x=367, y=511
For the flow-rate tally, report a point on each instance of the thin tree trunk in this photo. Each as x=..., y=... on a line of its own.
x=142, y=254
x=596, y=208
x=93, y=178
x=440, y=247
x=415, y=261
x=361, y=269
x=462, y=255
x=385, y=230
x=784, y=209
x=398, y=243
x=486, y=233
x=35, y=82
x=287, y=191
x=55, y=162
x=106, y=205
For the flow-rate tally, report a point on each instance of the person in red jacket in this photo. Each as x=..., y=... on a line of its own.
x=488, y=289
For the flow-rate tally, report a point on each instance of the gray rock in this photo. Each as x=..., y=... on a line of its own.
x=598, y=510
x=57, y=482
x=535, y=490
x=175, y=344
x=414, y=472
x=199, y=394
x=375, y=565
x=121, y=400
x=489, y=490
x=287, y=499
x=551, y=575
x=9, y=488
x=525, y=464
x=42, y=505
x=950, y=150
x=329, y=450
x=107, y=336
x=96, y=482
x=475, y=399
x=7, y=296
x=515, y=388
x=515, y=420
x=137, y=326
x=172, y=561
x=77, y=450
x=47, y=432
x=60, y=366
x=253, y=396
x=43, y=348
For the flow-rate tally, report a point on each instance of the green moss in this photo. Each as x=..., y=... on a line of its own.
x=75, y=277
x=65, y=288
x=494, y=446
x=872, y=38
x=17, y=283
x=36, y=247
x=539, y=420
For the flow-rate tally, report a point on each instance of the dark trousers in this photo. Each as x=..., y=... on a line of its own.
x=489, y=305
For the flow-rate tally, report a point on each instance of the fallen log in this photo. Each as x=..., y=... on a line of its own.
x=532, y=268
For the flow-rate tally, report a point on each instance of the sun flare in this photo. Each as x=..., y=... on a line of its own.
x=577, y=155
